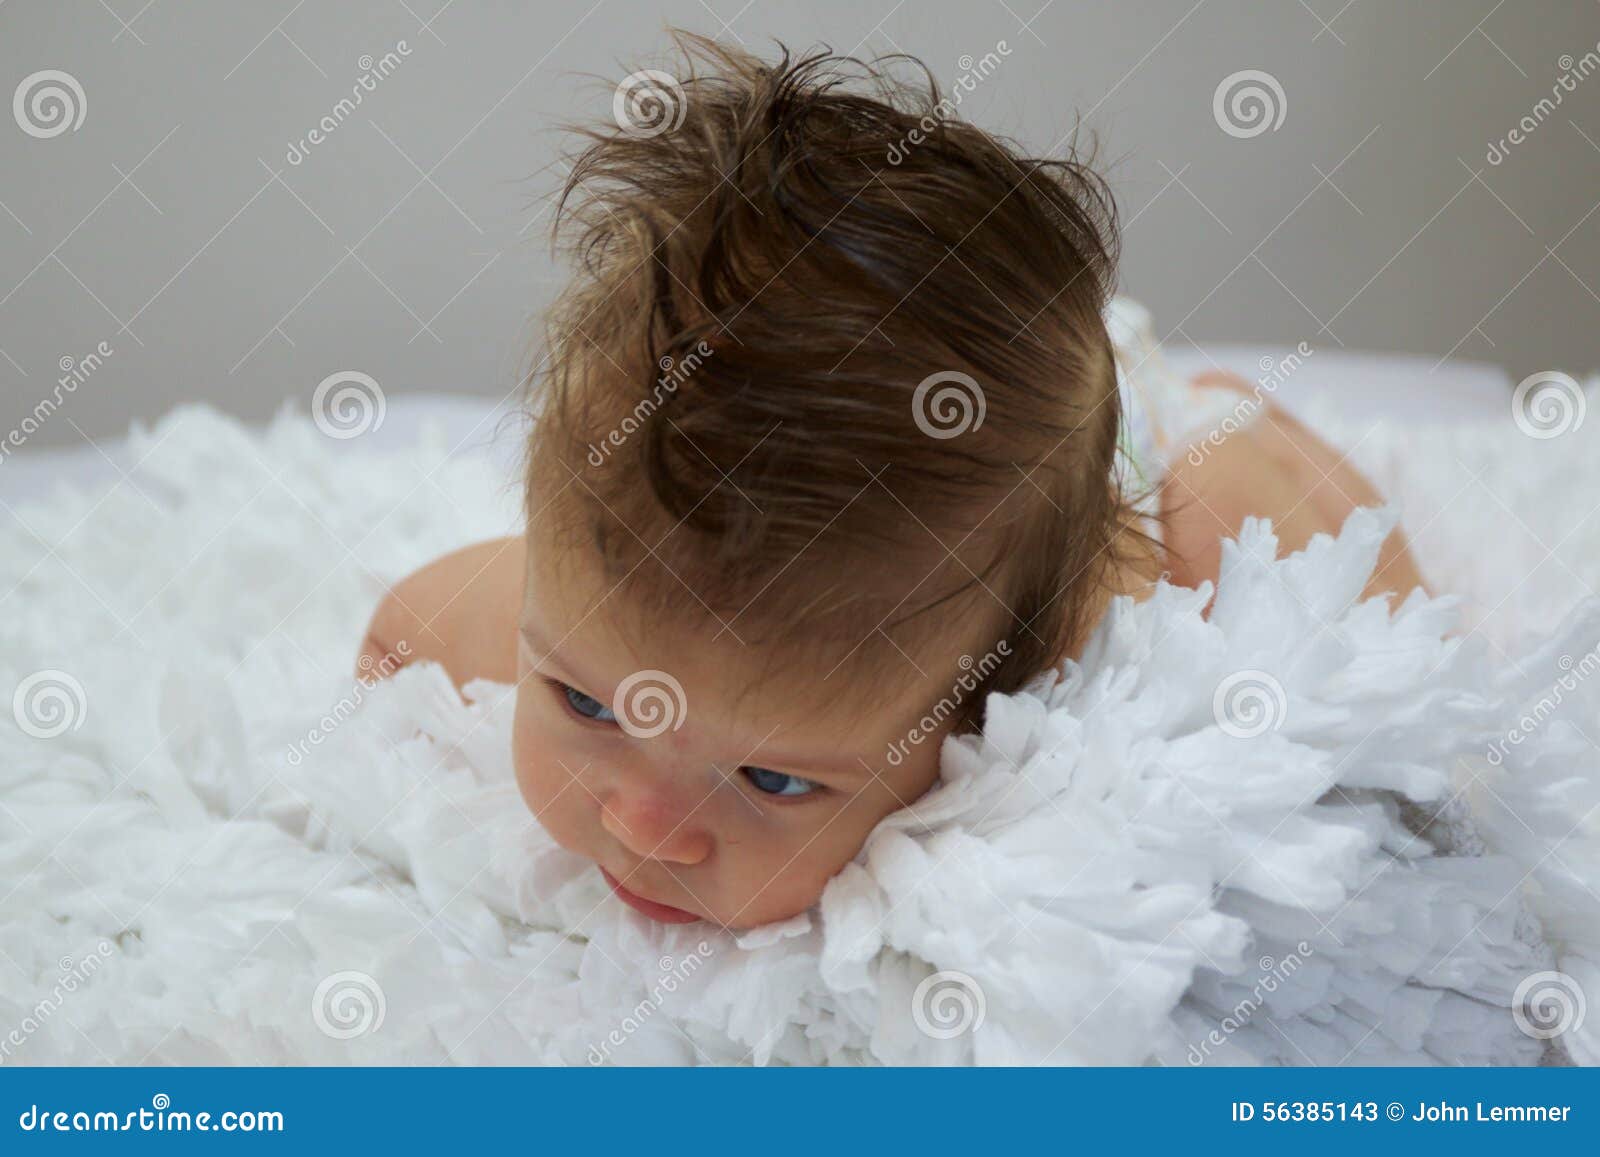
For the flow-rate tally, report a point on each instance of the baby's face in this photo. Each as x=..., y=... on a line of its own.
x=640, y=755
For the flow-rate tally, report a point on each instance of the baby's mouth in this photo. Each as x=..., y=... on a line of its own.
x=664, y=913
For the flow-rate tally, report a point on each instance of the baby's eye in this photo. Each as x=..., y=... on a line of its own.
x=777, y=783
x=587, y=705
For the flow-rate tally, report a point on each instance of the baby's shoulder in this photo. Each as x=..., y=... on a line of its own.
x=460, y=610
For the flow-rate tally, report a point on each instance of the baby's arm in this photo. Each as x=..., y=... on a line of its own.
x=461, y=611
x=1273, y=468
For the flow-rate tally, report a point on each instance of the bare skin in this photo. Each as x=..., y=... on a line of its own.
x=1276, y=468
x=741, y=815
x=460, y=611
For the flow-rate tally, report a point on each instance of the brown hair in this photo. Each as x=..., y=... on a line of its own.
x=835, y=362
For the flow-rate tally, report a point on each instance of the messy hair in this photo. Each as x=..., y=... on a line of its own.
x=833, y=362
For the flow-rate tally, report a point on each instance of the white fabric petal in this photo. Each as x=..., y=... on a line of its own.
x=1107, y=875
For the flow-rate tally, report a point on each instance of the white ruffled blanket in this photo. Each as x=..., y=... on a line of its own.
x=1239, y=839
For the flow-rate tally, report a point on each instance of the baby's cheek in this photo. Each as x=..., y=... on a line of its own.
x=798, y=869
x=538, y=771
x=785, y=895
x=779, y=881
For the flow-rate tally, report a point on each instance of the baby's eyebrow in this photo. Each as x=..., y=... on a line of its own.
x=548, y=657
x=841, y=767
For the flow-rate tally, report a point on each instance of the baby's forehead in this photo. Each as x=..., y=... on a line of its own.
x=816, y=676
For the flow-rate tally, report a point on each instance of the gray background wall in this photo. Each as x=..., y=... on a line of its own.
x=409, y=245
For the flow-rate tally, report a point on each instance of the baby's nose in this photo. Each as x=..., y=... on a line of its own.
x=656, y=820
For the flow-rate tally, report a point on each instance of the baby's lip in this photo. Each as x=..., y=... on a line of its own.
x=664, y=913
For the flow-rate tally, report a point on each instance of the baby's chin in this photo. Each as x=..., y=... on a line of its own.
x=747, y=921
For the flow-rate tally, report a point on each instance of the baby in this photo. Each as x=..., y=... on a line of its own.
x=828, y=445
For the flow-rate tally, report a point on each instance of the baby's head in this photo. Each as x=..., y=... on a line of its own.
x=823, y=454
